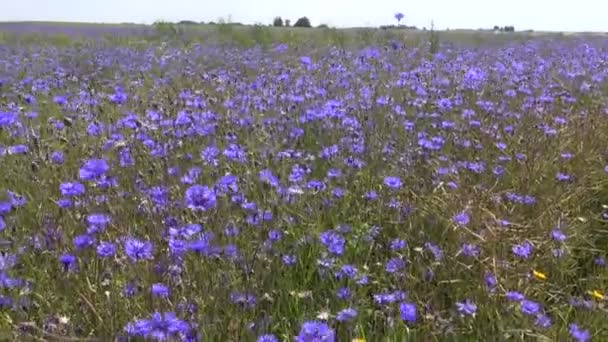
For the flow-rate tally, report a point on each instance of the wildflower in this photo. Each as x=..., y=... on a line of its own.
x=408, y=312
x=57, y=157
x=160, y=290
x=491, y=282
x=18, y=149
x=435, y=250
x=15, y=199
x=468, y=249
x=461, y=219
x=514, y=296
x=160, y=326
x=529, y=307
x=343, y=293
x=466, y=308
x=370, y=196
x=558, y=235
x=579, y=334
x=83, y=241
x=394, y=265
x=539, y=275
x=397, y=244
x=71, y=189
x=267, y=338
x=346, y=315
x=200, y=198
x=100, y=221
x=333, y=241
x=106, y=249
x=93, y=169
x=137, y=249
x=597, y=294
x=289, y=259
x=68, y=261
x=523, y=250
x=543, y=321
x=315, y=331
x=392, y=182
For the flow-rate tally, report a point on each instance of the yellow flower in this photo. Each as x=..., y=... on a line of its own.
x=539, y=275
x=597, y=294
x=358, y=340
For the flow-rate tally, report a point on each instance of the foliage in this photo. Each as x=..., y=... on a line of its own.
x=302, y=22
x=277, y=22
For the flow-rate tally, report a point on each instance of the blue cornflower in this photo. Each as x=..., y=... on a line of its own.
x=470, y=250
x=529, y=307
x=313, y=331
x=394, y=265
x=57, y=157
x=18, y=149
x=71, y=189
x=5, y=207
x=558, y=235
x=200, y=198
x=408, y=312
x=579, y=334
x=267, y=177
x=160, y=326
x=83, y=241
x=346, y=315
x=514, y=296
x=15, y=199
x=106, y=249
x=343, y=293
x=137, y=249
x=370, y=195
x=160, y=290
x=68, y=261
x=466, y=308
x=267, y=338
x=289, y=259
x=333, y=241
x=397, y=244
x=93, y=169
x=462, y=218
x=64, y=203
x=392, y=182
x=98, y=222
x=523, y=250
x=543, y=321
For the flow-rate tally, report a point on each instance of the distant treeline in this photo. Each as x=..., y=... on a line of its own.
x=305, y=22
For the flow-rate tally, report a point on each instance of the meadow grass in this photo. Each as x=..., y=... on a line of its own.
x=260, y=182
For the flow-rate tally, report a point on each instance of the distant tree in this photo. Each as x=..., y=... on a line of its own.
x=278, y=22
x=509, y=29
x=323, y=26
x=496, y=28
x=188, y=22
x=287, y=22
x=302, y=22
x=211, y=23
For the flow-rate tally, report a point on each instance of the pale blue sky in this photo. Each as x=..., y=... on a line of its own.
x=557, y=15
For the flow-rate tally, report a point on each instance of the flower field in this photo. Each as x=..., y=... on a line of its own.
x=304, y=192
